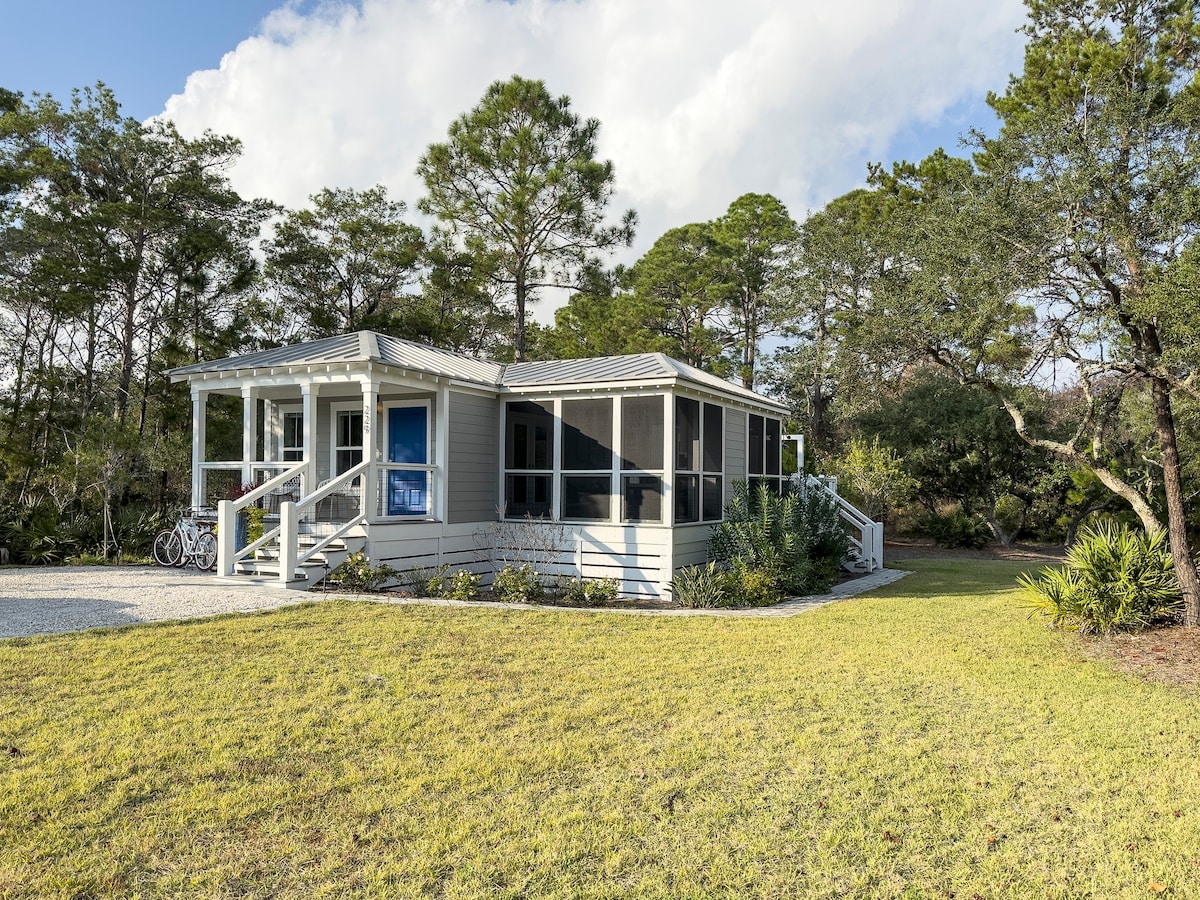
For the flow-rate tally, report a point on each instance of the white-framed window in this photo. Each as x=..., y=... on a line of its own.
x=764, y=450
x=586, y=459
x=528, y=458
x=346, y=443
x=699, y=460
x=642, y=452
x=291, y=436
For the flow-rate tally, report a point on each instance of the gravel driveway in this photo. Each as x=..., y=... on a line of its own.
x=72, y=598
x=75, y=598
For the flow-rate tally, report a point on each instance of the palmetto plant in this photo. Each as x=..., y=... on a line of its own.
x=1114, y=579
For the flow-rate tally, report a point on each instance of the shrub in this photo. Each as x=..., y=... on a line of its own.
x=591, y=591
x=358, y=575
x=959, y=529
x=1114, y=579
x=426, y=581
x=461, y=585
x=255, y=516
x=701, y=587
x=752, y=587
x=783, y=537
x=518, y=584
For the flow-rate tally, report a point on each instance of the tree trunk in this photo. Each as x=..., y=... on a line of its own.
x=519, y=323
x=1185, y=566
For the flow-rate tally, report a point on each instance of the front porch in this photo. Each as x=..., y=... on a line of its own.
x=325, y=454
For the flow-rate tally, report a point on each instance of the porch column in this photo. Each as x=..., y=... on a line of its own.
x=370, y=481
x=308, y=393
x=199, y=420
x=249, y=432
x=439, y=479
x=270, y=432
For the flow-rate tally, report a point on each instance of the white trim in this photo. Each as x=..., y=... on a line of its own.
x=352, y=406
x=282, y=411
x=435, y=510
x=440, y=453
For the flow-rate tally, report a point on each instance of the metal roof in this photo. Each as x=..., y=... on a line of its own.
x=370, y=346
x=635, y=367
x=360, y=346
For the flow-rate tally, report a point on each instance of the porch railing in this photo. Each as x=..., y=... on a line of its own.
x=869, y=539
x=296, y=519
x=228, y=511
x=218, y=480
x=406, y=490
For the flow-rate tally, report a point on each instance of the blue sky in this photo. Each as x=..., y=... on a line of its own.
x=700, y=100
x=142, y=49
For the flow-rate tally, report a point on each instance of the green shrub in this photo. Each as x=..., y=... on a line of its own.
x=358, y=575
x=752, y=587
x=427, y=581
x=785, y=538
x=701, y=587
x=1114, y=579
x=592, y=591
x=461, y=585
x=518, y=584
x=255, y=516
x=959, y=529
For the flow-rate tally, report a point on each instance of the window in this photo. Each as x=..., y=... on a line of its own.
x=642, y=496
x=292, y=446
x=587, y=430
x=528, y=459
x=754, y=446
x=347, y=440
x=642, y=458
x=763, y=451
x=699, y=460
x=587, y=496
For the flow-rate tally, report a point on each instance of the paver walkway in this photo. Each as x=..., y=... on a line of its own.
x=75, y=598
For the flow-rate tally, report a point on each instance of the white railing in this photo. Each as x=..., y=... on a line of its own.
x=290, y=517
x=406, y=490
x=227, y=513
x=869, y=542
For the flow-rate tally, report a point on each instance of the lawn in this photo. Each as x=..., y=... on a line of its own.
x=927, y=740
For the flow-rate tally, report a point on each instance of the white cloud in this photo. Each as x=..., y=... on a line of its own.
x=700, y=100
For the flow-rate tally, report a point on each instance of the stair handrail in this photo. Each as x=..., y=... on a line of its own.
x=333, y=486
x=289, y=520
x=227, y=510
x=870, y=541
x=267, y=486
x=329, y=539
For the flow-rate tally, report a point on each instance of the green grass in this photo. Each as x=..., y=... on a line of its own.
x=928, y=740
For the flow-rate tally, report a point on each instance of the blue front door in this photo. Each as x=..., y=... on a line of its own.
x=408, y=442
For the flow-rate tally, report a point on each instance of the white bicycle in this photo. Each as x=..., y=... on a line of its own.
x=190, y=541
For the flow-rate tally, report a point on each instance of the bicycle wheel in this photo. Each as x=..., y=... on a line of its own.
x=206, y=551
x=167, y=549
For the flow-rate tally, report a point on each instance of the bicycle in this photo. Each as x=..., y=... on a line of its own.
x=191, y=540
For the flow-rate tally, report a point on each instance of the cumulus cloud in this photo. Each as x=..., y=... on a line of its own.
x=700, y=100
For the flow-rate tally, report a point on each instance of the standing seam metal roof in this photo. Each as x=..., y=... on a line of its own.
x=367, y=346
x=362, y=346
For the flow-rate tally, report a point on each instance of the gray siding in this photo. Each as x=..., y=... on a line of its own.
x=735, y=449
x=473, y=459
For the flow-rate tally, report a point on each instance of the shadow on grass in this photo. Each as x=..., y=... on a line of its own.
x=21, y=617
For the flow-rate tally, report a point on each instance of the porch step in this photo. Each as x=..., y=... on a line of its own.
x=264, y=565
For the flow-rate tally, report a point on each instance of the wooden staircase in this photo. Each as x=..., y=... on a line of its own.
x=263, y=566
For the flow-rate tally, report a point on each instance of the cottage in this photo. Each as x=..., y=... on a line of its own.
x=420, y=456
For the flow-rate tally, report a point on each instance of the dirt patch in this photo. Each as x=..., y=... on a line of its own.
x=1045, y=553
x=1165, y=655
